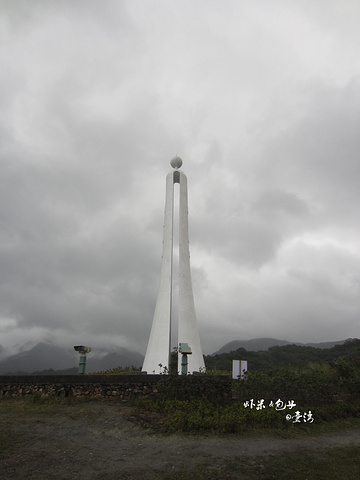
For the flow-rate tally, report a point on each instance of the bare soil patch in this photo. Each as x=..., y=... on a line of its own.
x=101, y=441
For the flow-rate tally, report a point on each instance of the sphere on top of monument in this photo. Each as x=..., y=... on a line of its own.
x=176, y=162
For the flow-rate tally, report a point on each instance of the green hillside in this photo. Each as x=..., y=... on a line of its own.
x=282, y=356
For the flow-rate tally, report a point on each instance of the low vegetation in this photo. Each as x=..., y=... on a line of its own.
x=282, y=398
x=118, y=371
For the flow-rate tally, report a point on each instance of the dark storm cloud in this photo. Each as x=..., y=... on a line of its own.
x=262, y=104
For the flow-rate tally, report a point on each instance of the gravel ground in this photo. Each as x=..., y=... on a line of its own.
x=100, y=441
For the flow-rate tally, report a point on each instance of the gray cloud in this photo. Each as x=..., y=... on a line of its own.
x=263, y=106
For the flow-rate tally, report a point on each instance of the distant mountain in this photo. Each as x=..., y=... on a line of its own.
x=40, y=357
x=258, y=344
x=121, y=358
x=50, y=371
x=45, y=357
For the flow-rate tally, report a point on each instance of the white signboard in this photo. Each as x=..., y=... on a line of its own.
x=239, y=369
x=243, y=369
x=235, y=369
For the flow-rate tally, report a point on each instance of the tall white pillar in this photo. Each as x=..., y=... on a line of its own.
x=158, y=349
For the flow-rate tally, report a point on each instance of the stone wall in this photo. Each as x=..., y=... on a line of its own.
x=122, y=387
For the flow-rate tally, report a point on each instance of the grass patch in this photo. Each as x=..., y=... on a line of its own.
x=7, y=438
x=231, y=417
x=13, y=410
x=28, y=405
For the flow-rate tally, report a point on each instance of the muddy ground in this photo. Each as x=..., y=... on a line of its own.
x=101, y=441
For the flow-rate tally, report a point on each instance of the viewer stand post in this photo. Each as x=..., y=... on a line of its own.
x=185, y=350
x=82, y=360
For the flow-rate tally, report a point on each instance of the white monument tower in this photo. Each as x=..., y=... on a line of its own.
x=159, y=345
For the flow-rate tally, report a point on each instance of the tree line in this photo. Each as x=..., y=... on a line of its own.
x=278, y=357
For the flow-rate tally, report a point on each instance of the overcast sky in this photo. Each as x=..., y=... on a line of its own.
x=260, y=98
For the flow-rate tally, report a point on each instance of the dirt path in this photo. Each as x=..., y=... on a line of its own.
x=97, y=441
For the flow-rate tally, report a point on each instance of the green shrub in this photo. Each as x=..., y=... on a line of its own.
x=187, y=387
x=202, y=415
x=216, y=403
x=117, y=371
